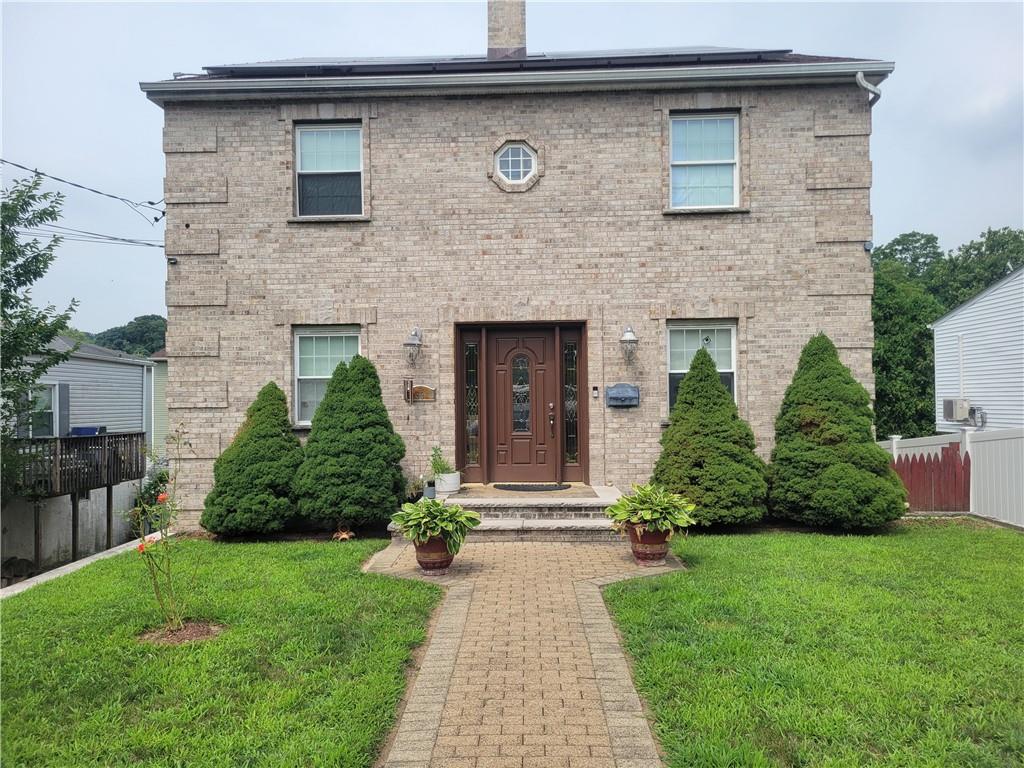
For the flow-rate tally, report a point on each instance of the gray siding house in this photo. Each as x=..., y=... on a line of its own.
x=95, y=390
x=979, y=358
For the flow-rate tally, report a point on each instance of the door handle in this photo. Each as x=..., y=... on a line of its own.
x=551, y=418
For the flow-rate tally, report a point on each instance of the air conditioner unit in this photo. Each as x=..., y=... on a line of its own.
x=956, y=409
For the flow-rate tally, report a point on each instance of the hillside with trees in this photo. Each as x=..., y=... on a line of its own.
x=916, y=282
x=142, y=336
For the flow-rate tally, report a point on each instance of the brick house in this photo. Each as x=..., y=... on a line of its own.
x=500, y=228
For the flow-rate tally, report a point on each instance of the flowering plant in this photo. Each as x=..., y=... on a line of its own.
x=153, y=521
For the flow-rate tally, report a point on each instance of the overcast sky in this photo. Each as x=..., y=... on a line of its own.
x=947, y=143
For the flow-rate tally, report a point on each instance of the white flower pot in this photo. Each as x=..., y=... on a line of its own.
x=448, y=483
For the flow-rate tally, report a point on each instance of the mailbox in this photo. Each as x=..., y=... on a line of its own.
x=622, y=396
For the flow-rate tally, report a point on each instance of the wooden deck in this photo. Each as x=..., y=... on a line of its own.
x=58, y=466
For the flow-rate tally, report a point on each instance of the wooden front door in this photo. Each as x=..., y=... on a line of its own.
x=524, y=425
x=520, y=403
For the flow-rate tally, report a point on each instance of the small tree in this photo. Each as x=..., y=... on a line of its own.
x=351, y=474
x=252, y=478
x=26, y=331
x=826, y=467
x=707, y=451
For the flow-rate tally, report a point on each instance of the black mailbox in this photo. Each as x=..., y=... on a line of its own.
x=622, y=396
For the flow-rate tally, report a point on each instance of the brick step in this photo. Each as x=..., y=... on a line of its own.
x=536, y=529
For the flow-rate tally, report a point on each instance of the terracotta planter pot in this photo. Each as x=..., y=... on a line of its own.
x=649, y=547
x=433, y=555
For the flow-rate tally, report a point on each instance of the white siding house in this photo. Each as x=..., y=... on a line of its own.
x=979, y=355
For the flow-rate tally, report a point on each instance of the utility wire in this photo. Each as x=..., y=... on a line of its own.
x=94, y=234
x=150, y=204
x=78, y=236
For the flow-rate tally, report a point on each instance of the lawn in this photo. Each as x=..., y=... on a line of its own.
x=794, y=649
x=308, y=672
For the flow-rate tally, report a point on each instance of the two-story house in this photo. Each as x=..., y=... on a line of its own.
x=518, y=232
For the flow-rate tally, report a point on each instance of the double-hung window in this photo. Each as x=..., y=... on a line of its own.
x=317, y=353
x=684, y=339
x=705, y=161
x=329, y=170
x=41, y=417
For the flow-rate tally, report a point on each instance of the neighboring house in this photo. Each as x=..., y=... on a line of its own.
x=95, y=387
x=160, y=420
x=90, y=423
x=518, y=232
x=979, y=359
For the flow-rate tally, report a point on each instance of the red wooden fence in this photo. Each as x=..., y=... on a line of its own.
x=937, y=483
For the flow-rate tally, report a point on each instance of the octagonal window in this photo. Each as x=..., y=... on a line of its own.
x=516, y=163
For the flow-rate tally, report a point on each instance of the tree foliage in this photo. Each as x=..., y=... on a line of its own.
x=904, y=378
x=142, y=336
x=351, y=474
x=826, y=468
x=707, y=451
x=252, y=478
x=915, y=283
x=26, y=331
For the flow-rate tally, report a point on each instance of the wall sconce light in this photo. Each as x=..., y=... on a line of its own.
x=629, y=343
x=413, y=345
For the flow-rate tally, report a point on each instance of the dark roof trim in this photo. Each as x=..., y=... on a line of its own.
x=411, y=66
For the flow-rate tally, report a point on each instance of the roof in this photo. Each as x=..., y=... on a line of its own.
x=979, y=297
x=623, y=67
x=160, y=354
x=643, y=57
x=95, y=351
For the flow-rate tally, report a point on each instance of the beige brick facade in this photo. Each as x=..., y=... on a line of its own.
x=441, y=244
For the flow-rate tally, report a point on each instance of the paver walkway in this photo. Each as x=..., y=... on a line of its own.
x=523, y=667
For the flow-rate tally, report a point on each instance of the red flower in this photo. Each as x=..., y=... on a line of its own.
x=142, y=546
x=161, y=498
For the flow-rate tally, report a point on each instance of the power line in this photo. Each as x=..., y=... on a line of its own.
x=94, y=234
x=150, y=204
x=79, y=236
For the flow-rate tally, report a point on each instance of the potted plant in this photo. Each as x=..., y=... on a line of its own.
x=446, y=479
x=650, y=515
x=437, y=530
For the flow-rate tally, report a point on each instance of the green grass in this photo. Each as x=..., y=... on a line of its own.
x=794, y=649
x=308, y=673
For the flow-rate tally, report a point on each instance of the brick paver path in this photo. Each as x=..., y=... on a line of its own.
x=523, y=667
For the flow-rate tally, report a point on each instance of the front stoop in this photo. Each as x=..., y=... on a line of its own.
x=540, y=517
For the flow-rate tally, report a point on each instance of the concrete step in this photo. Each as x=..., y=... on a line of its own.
x=539, y=506
x=536, y=529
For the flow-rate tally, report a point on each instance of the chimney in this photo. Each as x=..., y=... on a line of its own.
x=506, y=29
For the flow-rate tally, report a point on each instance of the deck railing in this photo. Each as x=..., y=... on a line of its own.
x=56, y=466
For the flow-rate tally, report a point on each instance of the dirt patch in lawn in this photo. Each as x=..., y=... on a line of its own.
x=189, y=632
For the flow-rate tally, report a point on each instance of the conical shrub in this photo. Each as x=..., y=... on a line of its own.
x=252, y=478
x=826, y=467
x=351, y=474
x=707, y=451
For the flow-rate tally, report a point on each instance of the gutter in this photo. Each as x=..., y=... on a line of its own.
x=476, y=82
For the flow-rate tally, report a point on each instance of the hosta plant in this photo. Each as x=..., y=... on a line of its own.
x=651, y=508
x=427, y=518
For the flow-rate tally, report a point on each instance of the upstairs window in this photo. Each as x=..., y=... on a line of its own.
x=329, y=170
x=684, y=339
x=515, y=163
x=317, y=353
x=705, y=161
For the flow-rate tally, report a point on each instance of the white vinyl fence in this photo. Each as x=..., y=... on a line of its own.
x=997, y=468
x=997, y=475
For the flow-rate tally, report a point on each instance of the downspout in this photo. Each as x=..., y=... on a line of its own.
x=874, y=90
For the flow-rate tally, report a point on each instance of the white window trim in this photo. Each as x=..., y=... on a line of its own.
x=54, y=407
x=683, y=163
x=321, y=330
x=299, y=130
x=714, y=325
x=529, y=150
